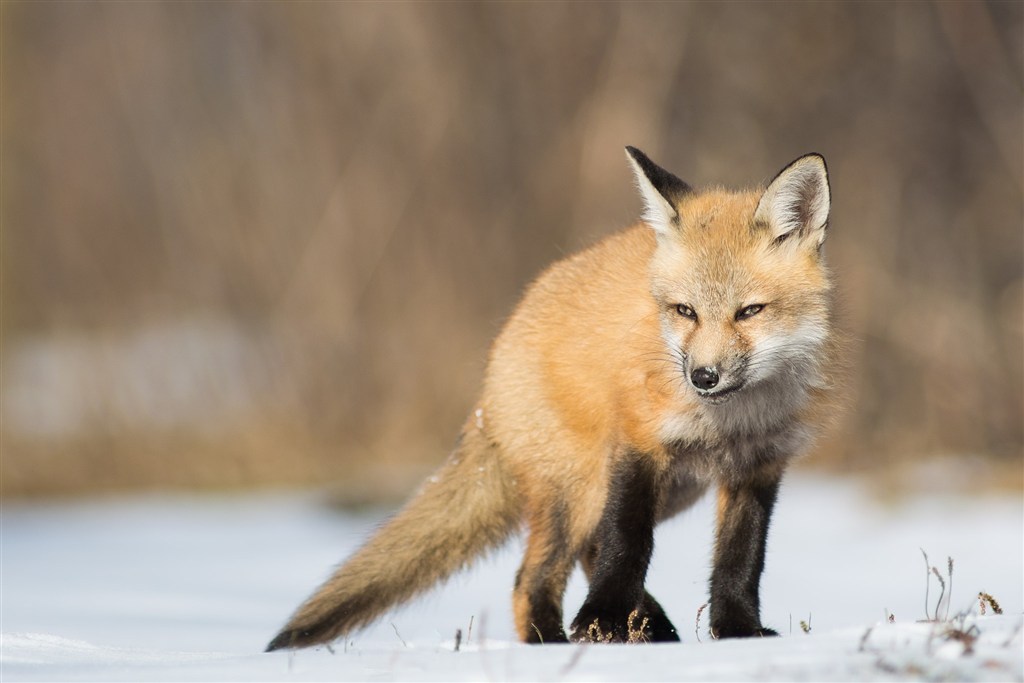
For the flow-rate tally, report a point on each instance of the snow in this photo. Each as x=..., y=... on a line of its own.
x=200, y=372
x=191, y=588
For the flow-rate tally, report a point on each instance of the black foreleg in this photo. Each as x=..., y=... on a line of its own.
x=744, y=511
x=659, y=628
x=623, y=542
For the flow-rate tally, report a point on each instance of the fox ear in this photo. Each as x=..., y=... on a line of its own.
x=660, y=190
x=797, y=201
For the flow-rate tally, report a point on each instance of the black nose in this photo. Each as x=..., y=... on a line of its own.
x=704, y=378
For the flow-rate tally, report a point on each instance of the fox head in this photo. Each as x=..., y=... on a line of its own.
x=740, y=281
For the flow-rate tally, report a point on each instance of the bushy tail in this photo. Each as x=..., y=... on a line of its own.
x=465, y=509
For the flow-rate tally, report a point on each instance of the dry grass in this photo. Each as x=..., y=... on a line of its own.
x=636, y=631
x=984, y=599
x=350, y=197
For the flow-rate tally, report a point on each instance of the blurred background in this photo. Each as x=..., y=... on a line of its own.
x=268, y=244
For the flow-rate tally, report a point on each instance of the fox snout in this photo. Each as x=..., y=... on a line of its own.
x=713, y=358
x=715, y=382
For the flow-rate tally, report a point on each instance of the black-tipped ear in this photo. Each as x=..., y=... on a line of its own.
x=660, y=189
x=798, y=200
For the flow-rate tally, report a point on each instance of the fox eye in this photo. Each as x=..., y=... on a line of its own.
x=749, y=312
x=686, y=311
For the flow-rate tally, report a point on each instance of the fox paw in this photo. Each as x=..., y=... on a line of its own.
x=734, y=631
x=662, y=631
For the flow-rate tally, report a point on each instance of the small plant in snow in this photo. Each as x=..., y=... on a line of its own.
x=986, y=599
x=929, y=570
x=635, y=633
x=596, y=635
x=638, y=634
x=957, y=630
x=696, y=626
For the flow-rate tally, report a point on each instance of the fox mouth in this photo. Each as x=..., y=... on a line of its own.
x=721, y=395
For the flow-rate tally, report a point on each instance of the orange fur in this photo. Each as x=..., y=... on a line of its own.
x=585, y=370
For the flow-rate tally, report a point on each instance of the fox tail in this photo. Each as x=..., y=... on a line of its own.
x=464, y=510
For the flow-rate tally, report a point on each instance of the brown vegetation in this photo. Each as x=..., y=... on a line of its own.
x=270, y=243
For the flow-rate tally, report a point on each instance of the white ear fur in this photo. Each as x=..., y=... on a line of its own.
x=659, y=189
x=658, y=213
x=798, y=200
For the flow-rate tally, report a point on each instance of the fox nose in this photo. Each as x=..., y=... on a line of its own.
x=704, y=378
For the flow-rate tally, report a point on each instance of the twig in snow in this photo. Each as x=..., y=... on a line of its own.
x=399, y=634
x=949, y=567
x=696, y=626
x=469, y=633
x=864, y=639
x=942, y=583
x=580, y=649
x=927, y=582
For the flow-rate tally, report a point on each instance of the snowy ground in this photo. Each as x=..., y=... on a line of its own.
x=191, y=588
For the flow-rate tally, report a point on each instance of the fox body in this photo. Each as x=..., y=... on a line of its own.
x=694, y=349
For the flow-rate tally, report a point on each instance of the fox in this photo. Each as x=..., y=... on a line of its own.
x=695, y=349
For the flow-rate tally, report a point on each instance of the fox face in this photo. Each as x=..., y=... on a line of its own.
x=739, y=281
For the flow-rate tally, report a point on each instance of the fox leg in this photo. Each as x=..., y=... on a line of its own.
x=624, y=540
x=744, y=510
x=659, y=627
x=543, y=575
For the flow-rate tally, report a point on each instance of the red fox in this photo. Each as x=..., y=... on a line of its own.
x=693, y=349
